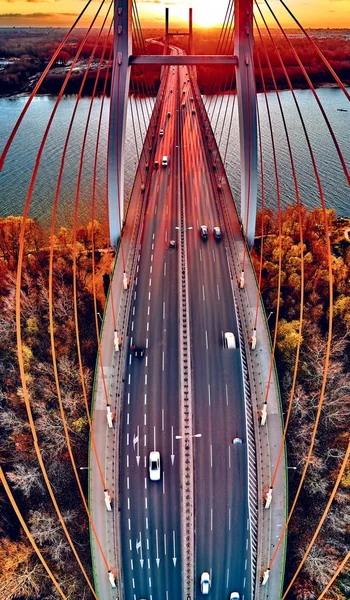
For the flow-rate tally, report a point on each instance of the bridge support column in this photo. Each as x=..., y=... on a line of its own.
x=243, y=49
x=117, y=117
x=166, y=41
x=190, y=31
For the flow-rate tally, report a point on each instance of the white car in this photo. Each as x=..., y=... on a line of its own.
x=234, y=596
x=205, y=583
x=154, y=465
x=161, y=133
x=204, y=232
x=229, y=340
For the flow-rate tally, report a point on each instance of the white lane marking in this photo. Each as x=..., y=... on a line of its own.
x=145, y=378
x=244, y=582
x=213, y=254
x=130, y=545
x=211, y=519
x=149, y=295
x=127, y=483
x=147, y=343
x=148, y=310
x=211, y=455
x=209, y=393
x=128, y=503
x=155, y=210
x=203, y=293
x=133, y=310
x=132, y=564
x=147, y=325
x=227, y=577
x=149, y=563
x=127, y=418
x=145, y=461
x=246, y=544
x=229, y=457
x=145, y=419
x=206, y=339
x=151, y=257
x=150, y=282
x=245, y=564
x=152, y=246
x=229, y=519
x=146, y=522
x=217, y=289
x=164, y=270
x=226, y=390
x=129, y=523
x=133, y=583
x=146, y=503
x=127, y=460
x=146, y=361
x=136, y=280
x=145, y=399
x=134, y=295
x=137, y=268
x=145, y=483
x=150, y=582
x=132, y=325
x=166, y=208
x=247, y=524
x=130, y=359
x=129, y=378
x=163, y=360
x=151, y=269
x=200, y=253
x=162, y=419
x=147, y=546
x=145, y=439
x=166, y=236
x=128, y=397
x=163, y=310
x=153, y=236
x=127, y=439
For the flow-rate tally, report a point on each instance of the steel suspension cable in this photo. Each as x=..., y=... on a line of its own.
x=37, y=86
x=18, y=306
x=51, y=319
x=324, y=515
x=319, y=52
x=338, y=571
x=279, y=230
x=329, y=126
x=218, y=50
x=302, y=267
x=28, y=534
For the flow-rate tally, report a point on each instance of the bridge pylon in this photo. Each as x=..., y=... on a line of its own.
x=246, y=96
x=122, y=50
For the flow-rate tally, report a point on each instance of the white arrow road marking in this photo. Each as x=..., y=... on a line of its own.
x=174, y=549
x=172, y=445
x=157, y=549
x=136, y=442
x=139, y=547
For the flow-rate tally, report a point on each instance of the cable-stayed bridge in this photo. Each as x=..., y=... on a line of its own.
x=185, y=364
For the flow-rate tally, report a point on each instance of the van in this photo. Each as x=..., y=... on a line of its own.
x=164, y=161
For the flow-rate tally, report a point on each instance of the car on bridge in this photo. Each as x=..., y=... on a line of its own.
x=229, y=340
x=217, y=234
x=234, y=596
x=204, y=232
x=154, y=465
x=205, y=583
x=161, y=133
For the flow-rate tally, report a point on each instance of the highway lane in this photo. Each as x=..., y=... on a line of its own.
x=150, y=510
x=222, y=523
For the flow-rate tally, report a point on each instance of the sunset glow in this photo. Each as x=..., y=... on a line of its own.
x=16, y=13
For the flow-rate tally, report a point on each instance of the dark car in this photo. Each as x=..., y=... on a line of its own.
x=217, y=233
x=138, y=351
x=204, y=232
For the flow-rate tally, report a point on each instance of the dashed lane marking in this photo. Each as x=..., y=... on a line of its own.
x=217, y=290
x=164, y=270
x=145, y=419
x=129, y=523
x=128, y=503
x=209, y=393
x=145, y=399
x=206, y=340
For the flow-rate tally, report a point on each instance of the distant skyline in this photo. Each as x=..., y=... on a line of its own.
x=206, y=13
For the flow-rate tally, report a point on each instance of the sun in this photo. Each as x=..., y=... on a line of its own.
x=207, y=13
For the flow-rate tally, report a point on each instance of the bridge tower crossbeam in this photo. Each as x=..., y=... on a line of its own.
x=242, y=61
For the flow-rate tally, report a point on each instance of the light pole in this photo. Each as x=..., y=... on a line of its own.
x=84, y=468
x=187, y=438
x=271, y=313
x=100, y=318
x=187, y=228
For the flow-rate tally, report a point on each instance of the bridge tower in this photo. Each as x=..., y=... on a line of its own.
x=122, y=50
x=246, y=96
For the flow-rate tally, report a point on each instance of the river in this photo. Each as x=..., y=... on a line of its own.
x=15, y=177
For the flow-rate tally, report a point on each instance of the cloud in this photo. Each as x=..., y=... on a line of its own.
x=36, y=15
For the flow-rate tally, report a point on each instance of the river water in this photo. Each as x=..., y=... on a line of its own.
x=15, y=176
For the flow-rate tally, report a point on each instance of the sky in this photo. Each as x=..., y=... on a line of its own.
x=206, y=13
